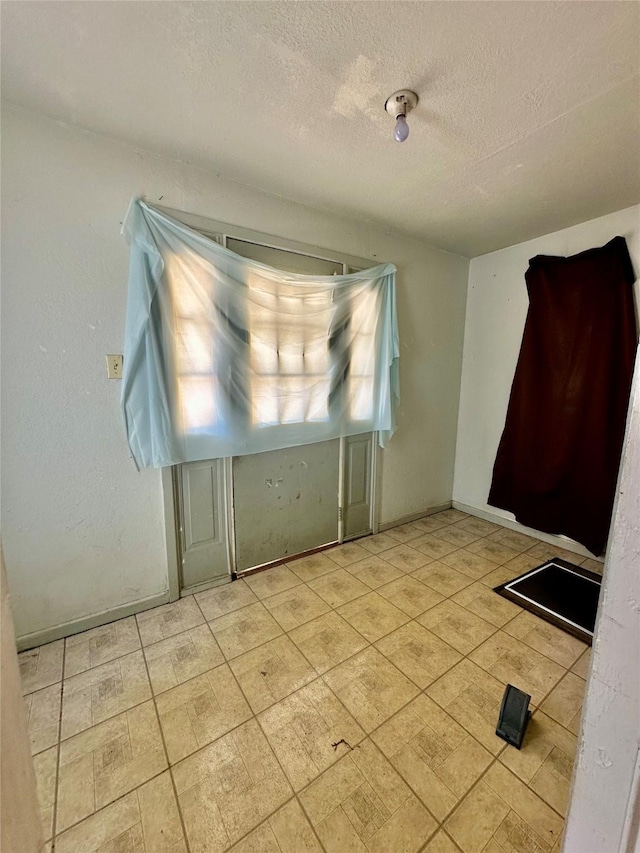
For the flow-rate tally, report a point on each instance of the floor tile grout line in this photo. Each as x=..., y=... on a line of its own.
x=305, y=813
x=443, y=830
x=56, y=787
x=496, y=759
x=111, y=802
x=257, y=720
x=321, y=675
x=166, y=751
x=254, y=716
x=371, y=643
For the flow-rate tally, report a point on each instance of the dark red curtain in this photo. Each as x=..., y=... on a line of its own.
x=558, y=458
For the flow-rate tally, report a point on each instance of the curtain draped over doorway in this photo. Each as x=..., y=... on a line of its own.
x=224, y=356
x=558, y=458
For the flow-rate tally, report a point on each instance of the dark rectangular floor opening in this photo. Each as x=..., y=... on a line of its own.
x=559, y=592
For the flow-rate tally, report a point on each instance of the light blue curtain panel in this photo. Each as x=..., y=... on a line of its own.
x=224, y=356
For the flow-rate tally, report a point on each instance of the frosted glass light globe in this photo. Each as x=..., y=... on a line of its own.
x=401, y=131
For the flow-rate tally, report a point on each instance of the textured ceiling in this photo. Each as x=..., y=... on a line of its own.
x=528, y=118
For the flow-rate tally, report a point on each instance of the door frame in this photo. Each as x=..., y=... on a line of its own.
x=220, y=232
x=173, y=531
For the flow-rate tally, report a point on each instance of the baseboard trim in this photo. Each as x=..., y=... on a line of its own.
x=67, y=629
x=414, y=516
x=560, y=541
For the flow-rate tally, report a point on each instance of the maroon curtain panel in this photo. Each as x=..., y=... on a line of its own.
x=558, y=458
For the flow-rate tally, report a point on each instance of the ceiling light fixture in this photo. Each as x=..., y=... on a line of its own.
x=398, y=105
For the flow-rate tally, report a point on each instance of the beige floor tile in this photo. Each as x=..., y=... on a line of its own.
x=437, y=757
x=512, y=662
x=564, y=703
x=501, y=814
x=170, y=619
x=178, y=659
x=405, y=532
x=102, y=692
x=271, y=672
x=243, y=630
x=452, y=516
x=107, y=761
x=225, y=599
x=430, y=523
x=487, y=604
x=344, y=555
x=41, y=667
x=418, y=653
x=295, y=607
x=593, y=565
x=370, y=688
x=545, y=761
x=100, y=645
x=226, y=789
x=516, y=567
x=544, y=551
x=441, y=843
x=327, y=641
x=338, y=587
x=582, y=665
x=374, y=571
x=44, y=765
x=512, y=539
x=373, y=616
x=287, y=831
x=378, y=543
x=478, y=525
x=457, y=626
x=473, y=698
x=556, y=644
x=498, y=552
x=500, y=575
x=201, y=710
x=406, y=558
x=309, y=731
x=272, y=581
x=361, y=804
x=43, y=716
x=443, y=579
x=457, y=535
x=476, y=821
x=469, y=564
x=434, y=547
x=144, y=821
x=410, y=595
x=311, y=567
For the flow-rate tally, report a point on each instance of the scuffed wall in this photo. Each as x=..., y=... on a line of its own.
x=83, y=530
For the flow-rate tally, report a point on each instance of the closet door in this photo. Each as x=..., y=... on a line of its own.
x=203, y=523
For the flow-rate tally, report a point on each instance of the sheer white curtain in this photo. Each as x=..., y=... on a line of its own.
x=226, y=356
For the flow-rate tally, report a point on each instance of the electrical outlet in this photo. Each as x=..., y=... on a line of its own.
x=114, y=366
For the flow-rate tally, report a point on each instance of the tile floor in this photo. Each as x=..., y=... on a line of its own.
x=345, y=701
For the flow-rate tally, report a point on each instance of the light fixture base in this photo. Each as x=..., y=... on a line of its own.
x=401, y=102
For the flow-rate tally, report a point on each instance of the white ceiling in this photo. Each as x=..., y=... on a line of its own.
x=528, y=118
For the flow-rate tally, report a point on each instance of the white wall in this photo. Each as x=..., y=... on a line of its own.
x=605, y=804
x=21, y=826
x=83, y=530
x=497, y=305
